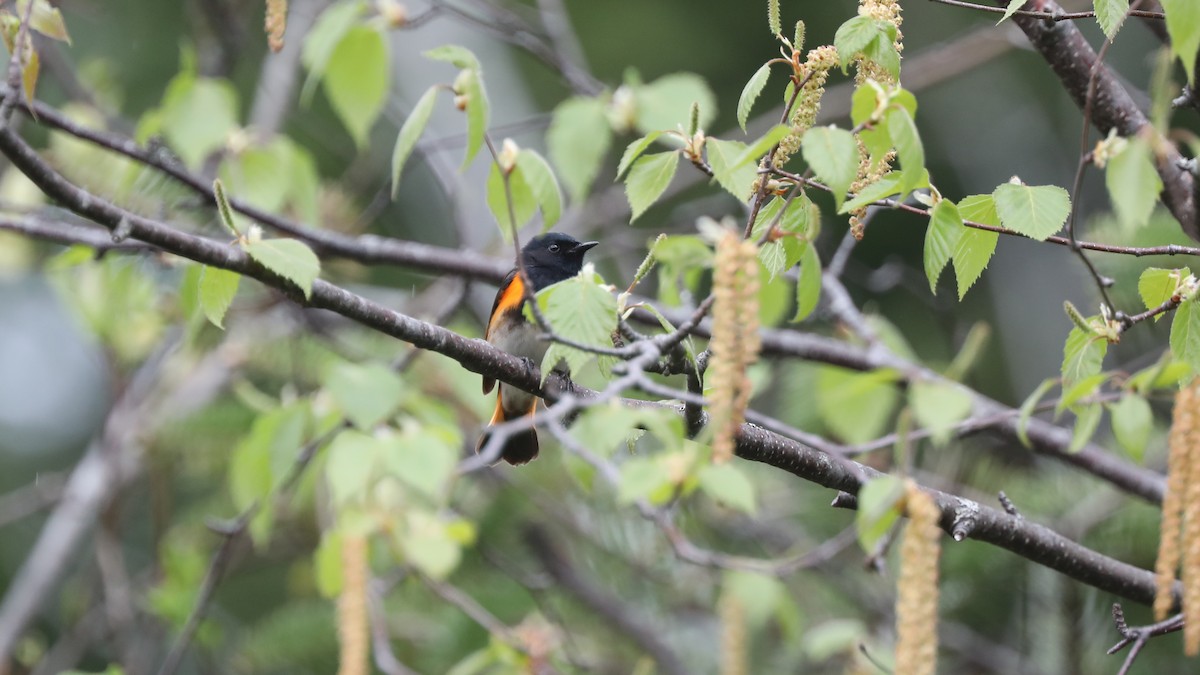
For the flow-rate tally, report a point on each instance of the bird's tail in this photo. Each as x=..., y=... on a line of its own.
x=520, y=447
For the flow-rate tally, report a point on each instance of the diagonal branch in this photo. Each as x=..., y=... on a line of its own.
x=1069, y=55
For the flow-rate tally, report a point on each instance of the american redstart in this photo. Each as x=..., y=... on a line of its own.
x=547, y=260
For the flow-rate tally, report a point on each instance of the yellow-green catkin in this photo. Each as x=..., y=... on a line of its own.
x=733, y=635
x=1183, y=424
x=353, y=631
x=917, y=587
x=735, y=341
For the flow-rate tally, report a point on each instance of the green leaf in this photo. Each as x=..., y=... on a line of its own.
x=1133, y=182
x=524, y=203
x=410, y=132
x=542, y=185
x=327, y=564
x=1087, y=421
x=941, y=240
x=1183, y=25
x=1132, y=422
x=854, y=36
x=578, y=139
x=45, y=19
x=263, y=457
x=291, y=259
x=424, y=459
x=975, y=247
x=640, y=477
x=1035, y=211
x=1157, y=285
x=728, y=485
x=939, y=407
x=580, y=309
x=1110, y=14
x=459, y=57
x=366, y=393
x=605, y=427
x=1013, y=6
x=429, y=547
x=971, y=256
x=856, y=406
x=833, y=638
x=217, y=289
x=328, y=30
x=635, y=150
x=750, y=93
x=1185, y=334
x=1027, y=406
x=887, y=186
x=666, y=103
x=478, y=110
x=808, y=283
x=356, y=80
x=865, y=101
x=761, y=595
x=197, y=117
x=1083, y=356
x=723, y=157
x=1079, y=390
x=757, y=149
x=833, y=155
x=882, y=52
x=979, y=209
x=773, y=257
x=351, y=466
x=648, y=179
x=878, y=509
x=909, y=150
x=259, y=175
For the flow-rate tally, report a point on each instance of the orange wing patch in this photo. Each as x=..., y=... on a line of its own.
x=508, y=299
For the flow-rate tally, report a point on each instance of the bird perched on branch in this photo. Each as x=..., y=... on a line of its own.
x=547, y=259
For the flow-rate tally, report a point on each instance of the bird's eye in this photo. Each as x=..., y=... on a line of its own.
x=554, y=248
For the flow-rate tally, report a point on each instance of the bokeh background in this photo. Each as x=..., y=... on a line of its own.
x=989, y=109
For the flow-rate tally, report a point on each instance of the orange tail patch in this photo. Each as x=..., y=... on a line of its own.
x=518, y=448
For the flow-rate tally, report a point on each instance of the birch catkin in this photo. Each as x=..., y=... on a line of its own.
x=1169, y=552
x=353, y=636
x=735, y=341
x=917, y=588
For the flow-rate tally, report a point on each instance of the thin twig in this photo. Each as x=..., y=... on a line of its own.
x=1049, y=16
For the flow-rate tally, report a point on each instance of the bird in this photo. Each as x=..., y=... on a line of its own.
x=547, y=259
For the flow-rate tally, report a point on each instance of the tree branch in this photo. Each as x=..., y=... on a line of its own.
x=1068, y=53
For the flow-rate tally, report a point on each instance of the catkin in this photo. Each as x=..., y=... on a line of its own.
x=1169, y=553
x=808, y=101
x=353, y=635
x=917, y=588
x=276, y=23
x=1190, y=565
x=733, y=635
x=735, y=341
x=887, y=11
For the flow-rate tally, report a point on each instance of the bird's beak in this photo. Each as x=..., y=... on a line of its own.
x=585, y=246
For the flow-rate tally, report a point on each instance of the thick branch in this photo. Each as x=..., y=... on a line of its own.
x=1068, y=53
x=963, y=518
x=1046, y=438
